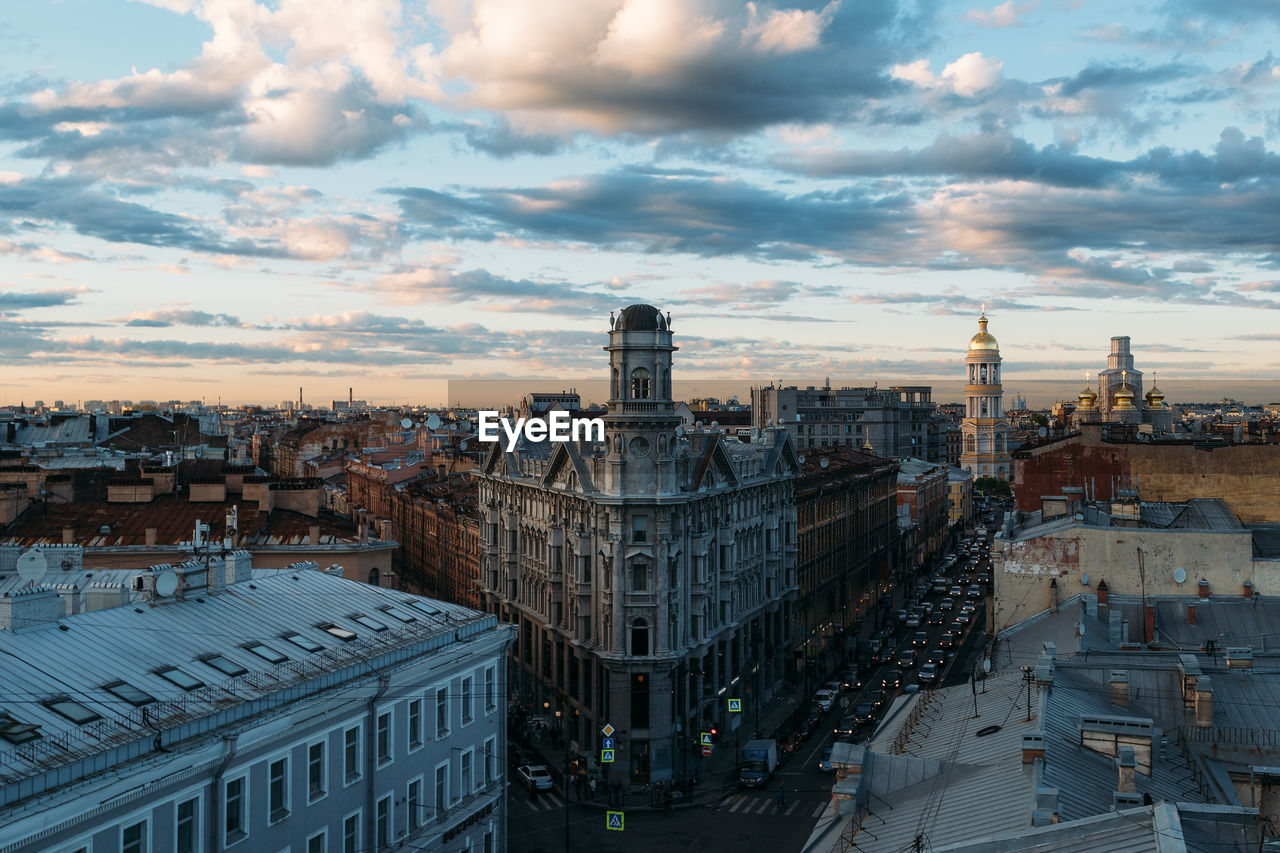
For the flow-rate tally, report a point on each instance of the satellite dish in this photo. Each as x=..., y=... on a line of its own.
x=433, y=422
x=680, y=430
x=801, y=460
x=824, y=462
x=167, y=583
x=986, y=664
x=406, y=423
x=32, y=566
x=1042, y=432
x=1084, y=579
x=1179, y=575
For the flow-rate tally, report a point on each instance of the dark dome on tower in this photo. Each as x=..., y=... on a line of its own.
x=640, y=318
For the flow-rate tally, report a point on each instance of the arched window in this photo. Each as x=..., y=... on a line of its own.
x=973, y=374
x=375, y=577
x=640, y=384
x=995, y=374
x=983, y=375
x=983, y=408
x=640, y=638
x=617, y=385
x=969, y=444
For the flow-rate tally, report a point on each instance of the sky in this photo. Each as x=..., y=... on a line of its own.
x=227, y=200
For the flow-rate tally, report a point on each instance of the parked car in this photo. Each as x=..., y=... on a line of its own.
x=824, y=699
x=535, y=777
x=927, y=674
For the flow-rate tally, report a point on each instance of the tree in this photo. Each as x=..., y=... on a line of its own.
x=992, y=486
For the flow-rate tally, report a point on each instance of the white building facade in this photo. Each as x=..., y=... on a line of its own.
x=226, y=709
x=651, y=575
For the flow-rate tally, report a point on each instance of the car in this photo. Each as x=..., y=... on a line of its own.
x=962, y=618
x=824, y=763
x=913, y=620
x=983, y=577
x=836, y=687
x=964, y=579
x=824, y=699
x=850, y=679
x=947, y=640
x=534, y=776
x=892, y=678
x=975, y=591
x=907, y=658
x=846, y=726
x=946, y=604
x=969, y=609
x=937, y=657
x=920, y=638
x=935, y=618
x=865, y=713
x=927, y=674
x=941, y=584
x=875, y=697
x=956, y=592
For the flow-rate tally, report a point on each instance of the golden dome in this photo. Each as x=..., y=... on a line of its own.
x=1087, y=397
x=1124, y=395
x=1155, y=397
x=984, y=340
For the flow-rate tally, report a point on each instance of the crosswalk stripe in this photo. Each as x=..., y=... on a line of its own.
x=763, y=806
x=822, y=807
x=737, y=803
x=793, y=808
x=553, y=798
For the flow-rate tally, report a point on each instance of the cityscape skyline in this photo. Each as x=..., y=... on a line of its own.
x=240, y=198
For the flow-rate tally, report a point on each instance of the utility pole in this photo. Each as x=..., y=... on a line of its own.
x=1027, y=672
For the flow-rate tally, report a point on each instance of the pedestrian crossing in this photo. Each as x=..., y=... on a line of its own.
x=745, y=804
x=546, y=801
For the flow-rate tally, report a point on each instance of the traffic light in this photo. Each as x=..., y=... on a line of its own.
x=715, y=732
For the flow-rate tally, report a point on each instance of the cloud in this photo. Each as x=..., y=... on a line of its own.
x=161, y=318
x=1007, y=14
x=11, y=300
x=967, y=76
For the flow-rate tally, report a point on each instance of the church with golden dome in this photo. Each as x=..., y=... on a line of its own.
x=1119, y=398
x=985, y=428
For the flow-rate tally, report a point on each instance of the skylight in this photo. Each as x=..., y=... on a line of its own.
x=267, y=653
x=173, y=675
x=337, y=631
x=223, y=665
x=129, y=693
x=303, y=643
x=396, y=613
x=16, y=732
x=424, y=607
x=369, y=622
x=73, y=711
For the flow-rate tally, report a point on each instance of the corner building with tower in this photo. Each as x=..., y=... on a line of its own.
x=651, y=576
x=985, y=428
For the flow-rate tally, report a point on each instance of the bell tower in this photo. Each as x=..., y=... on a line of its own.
x=985, y=427
x=641, y=422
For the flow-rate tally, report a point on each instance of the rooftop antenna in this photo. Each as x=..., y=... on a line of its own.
x=32, y=566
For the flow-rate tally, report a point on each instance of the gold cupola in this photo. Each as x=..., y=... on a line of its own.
x=1088, y=399
x=984, y=340
x=1124, y=395
x=1155, y=397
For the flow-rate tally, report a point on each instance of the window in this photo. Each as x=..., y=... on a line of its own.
x=266, y=653
x=640, y=638
x=236, y=819
x=415, y=723
x=15, y=731
x=318, y=843
x=490, y=761
x=317, y=771
x=487, y=846
x=369, y=622
x=223, y=665
x=490, y=688
x=302, y=642
x=73, y=711
x=468, y=783
x=351, y=833
x=278, y=790
x=639, y=528
x=129, y=693
x=384, y=737
x=382, y=824
x=639, y=576
x=177, y=677
x=134, y=838
x=413, y=804
x=187, y=828
x=351, y=754
x=396, y=613
x=640, y=384
x=467, y=713
x=442, y=789
x=442, y=711
x=337, y=631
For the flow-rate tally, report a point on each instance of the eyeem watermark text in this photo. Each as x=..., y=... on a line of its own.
x=558, y=426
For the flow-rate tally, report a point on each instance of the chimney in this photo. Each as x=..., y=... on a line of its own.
x=68, y=536
x=1120, y=687
x=1046, y=811
x=1032, y=746
x=1203, y=589
x=1191, y=614
x=151, y=536
x=1114, y=635
x=1126, y=783
x=442, y=472
x=1149, y=624
x=22, y=609
x=1053, y=596
x=1044, y=671
x=1103, y=608
x=1050, y=649
x=1248, y=589
x=314, y=533
x=1204, y=702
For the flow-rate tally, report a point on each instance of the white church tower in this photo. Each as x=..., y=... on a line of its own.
x=985, y=426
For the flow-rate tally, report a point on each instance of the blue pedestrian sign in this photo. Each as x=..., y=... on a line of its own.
x=735, y=706
x=613, y=820
x=606, y=756
x=706, y=739
x=606, y=743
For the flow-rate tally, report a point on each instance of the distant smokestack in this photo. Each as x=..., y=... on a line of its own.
x=350, y=397
x=299, y=396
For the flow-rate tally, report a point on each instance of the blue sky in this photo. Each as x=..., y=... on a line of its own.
x=222, y=198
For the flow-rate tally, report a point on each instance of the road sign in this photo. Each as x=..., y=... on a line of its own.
x=606, y=756
x=706, y=738
x=706, y=752
x=613, y=820
x=607, y=730
x=606, y=743
x=735, y=706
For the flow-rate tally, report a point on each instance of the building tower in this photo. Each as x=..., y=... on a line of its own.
x=1120, y=374
x=985, y=427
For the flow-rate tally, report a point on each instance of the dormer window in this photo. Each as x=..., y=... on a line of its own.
x=640, y=384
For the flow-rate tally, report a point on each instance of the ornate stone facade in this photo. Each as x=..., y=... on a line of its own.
x=651, y=575
x=985, y=427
